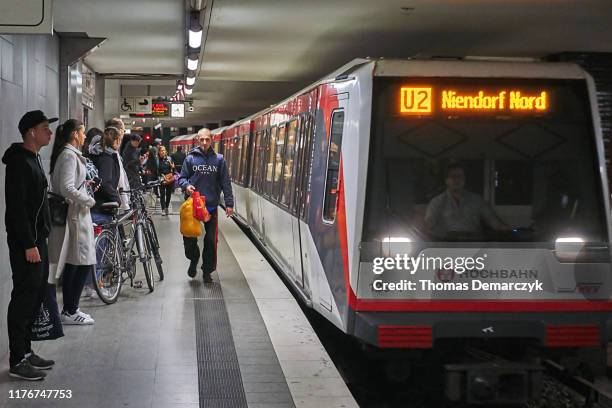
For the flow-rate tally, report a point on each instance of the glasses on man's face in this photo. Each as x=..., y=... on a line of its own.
x=203, y=140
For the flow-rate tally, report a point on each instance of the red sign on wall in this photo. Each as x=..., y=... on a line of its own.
x=159, y=109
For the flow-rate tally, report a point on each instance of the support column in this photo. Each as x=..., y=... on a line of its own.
x=99, y=103
x=73, y=48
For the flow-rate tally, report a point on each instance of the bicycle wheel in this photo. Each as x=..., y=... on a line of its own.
x=144, y=251
x=106, y=274
x=154, y=244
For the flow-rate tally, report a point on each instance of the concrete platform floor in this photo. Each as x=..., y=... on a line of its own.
x=142, y=351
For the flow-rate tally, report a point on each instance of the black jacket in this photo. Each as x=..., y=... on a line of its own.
x=165, y=166
x=131, y=164
x=179, y=158
x=109, y=173
x=27, y=216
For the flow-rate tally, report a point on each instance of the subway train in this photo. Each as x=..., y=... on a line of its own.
x=347, y=186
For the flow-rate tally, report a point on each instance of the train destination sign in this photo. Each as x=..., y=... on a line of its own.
x=160, y=109
x=422, y=100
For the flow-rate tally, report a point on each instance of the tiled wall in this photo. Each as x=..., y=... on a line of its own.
x=29, y=80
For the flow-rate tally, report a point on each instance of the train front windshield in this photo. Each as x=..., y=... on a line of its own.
x=464, y=159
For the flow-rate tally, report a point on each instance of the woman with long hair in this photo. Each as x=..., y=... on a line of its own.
x=166, y=173
x=106, y=159
x=73, y=244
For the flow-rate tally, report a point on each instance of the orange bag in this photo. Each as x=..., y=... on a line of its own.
x=190, y=227
x=199, y=207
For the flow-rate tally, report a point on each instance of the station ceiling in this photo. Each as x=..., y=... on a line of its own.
x=258, y=52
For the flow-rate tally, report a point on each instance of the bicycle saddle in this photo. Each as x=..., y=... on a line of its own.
x=111, y=205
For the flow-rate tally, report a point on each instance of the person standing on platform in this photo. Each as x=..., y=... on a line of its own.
x=152, y=166
x=206, y=172
x=28, y=222
x=166, y=174
x=132, y=161
x=68, y=179
x=178, y=157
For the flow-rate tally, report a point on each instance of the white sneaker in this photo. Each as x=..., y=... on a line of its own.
x=89, y=292
x=79, y=318
x=79, y=311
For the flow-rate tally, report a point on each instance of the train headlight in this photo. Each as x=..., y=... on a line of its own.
x=392, y=246
x=568, y=248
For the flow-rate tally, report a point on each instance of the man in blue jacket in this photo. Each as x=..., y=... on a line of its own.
x=205, y=171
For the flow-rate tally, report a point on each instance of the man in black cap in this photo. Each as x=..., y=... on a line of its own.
x=132, y=160
x=27, y=221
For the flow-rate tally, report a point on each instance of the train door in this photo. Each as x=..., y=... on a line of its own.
x=330, y=227
x=289, y=191
x=304, y=143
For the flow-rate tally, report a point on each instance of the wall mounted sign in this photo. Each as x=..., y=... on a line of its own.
x=424, y=100
x=160, y=109
x=143, y=104
x=177, y=110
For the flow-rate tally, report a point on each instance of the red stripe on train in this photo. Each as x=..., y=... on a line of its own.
x=371, y=305
x=405, y=336
x=580, y=335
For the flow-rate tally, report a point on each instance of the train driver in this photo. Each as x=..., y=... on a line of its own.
x=458, y=211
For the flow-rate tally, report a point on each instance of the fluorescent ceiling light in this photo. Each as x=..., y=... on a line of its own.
x=190, y=81
x=192, y=64
x=195, y=36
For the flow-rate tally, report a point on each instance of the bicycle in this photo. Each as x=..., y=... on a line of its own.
x=138, y=201
x=117, y=254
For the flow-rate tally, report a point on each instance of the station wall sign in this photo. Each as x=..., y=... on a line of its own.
x=135, y=104
x=127, y=104
x=26, y=17
x=160, y=109
x=177, y=110
x=143, y=104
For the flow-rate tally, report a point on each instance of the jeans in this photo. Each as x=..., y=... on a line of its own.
x=99, y=219
x=166, y=194
x=73, y=283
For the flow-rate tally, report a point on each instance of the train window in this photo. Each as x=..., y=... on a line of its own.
x=270, y=156
x=333, y=167
x=244, y=159
x=287, y=181
x=227, y=155
x=237, y=157
x=513, y=182
x=523, y=176
x=306, y=147
x=263, y=161
x=254, y=160
x=278, y=160
x=299, y=149
x=229, y=149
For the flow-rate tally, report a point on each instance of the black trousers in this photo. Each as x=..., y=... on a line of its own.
x=29, y=286
x=72, y=285
x=166, y=193
x=209, y=253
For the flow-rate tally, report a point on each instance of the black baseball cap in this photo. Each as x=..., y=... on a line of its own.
x=32, y=119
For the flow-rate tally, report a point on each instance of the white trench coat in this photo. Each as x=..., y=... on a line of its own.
x=74, y=243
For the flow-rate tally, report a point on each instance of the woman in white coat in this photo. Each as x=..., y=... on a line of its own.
x=73, y=244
